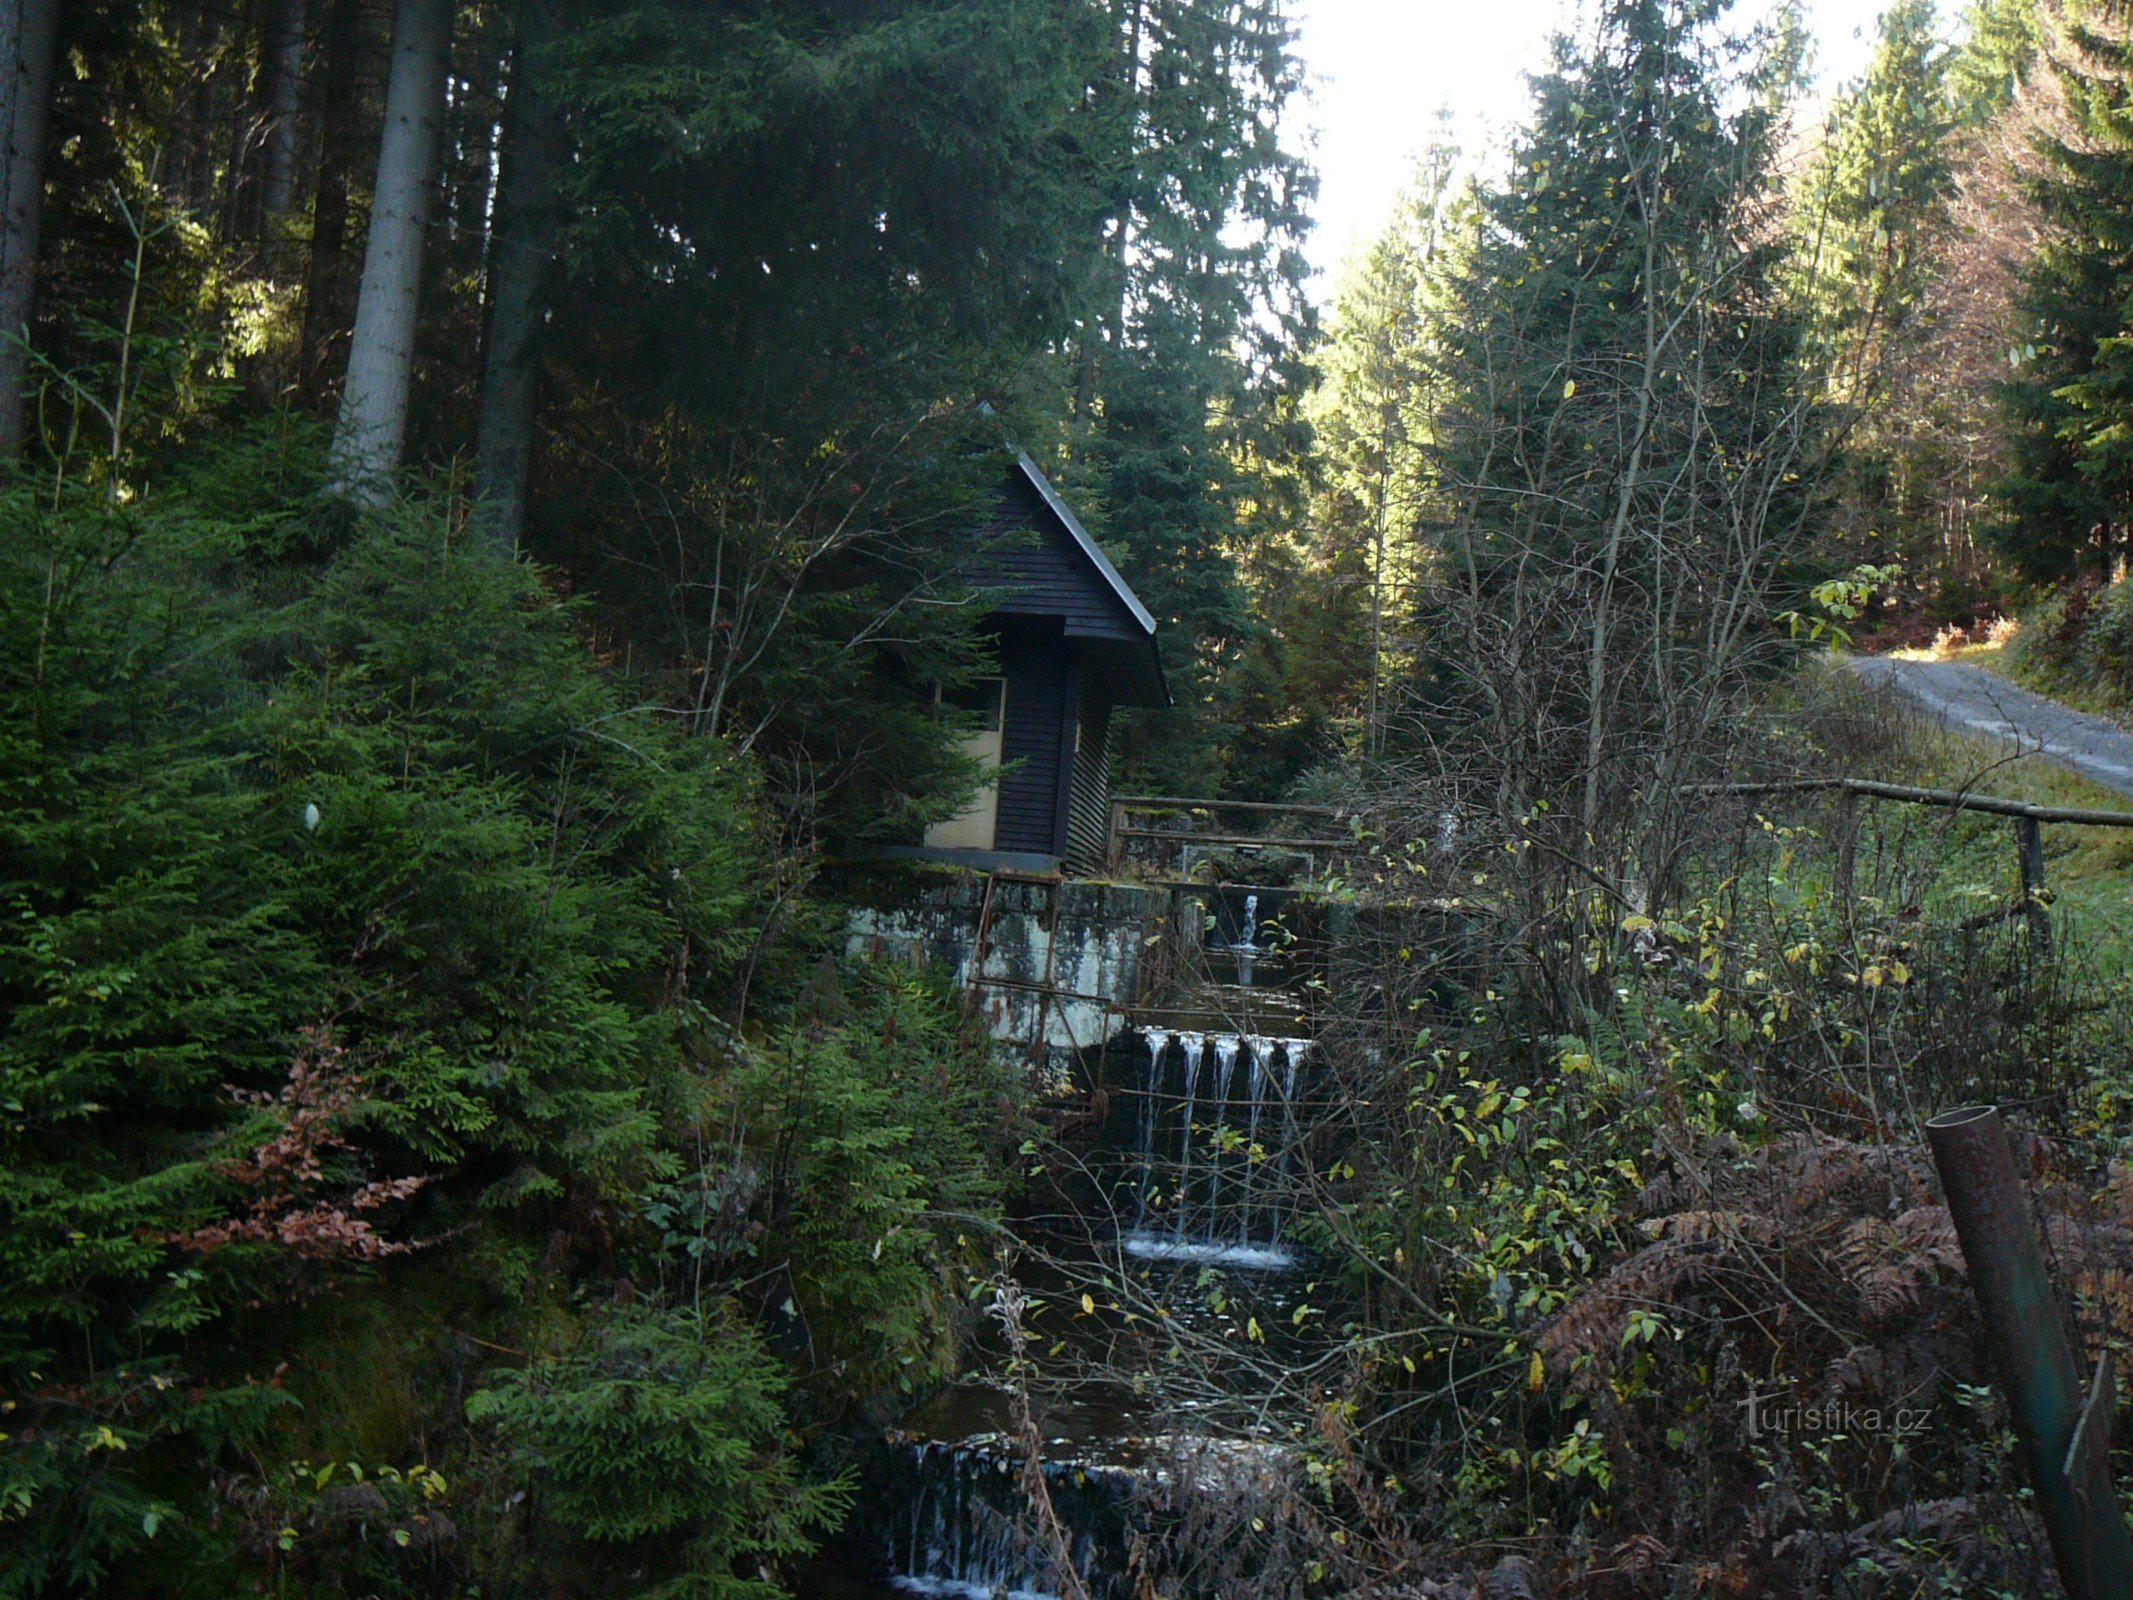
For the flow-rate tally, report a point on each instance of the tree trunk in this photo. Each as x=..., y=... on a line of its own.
x=281, y=61
x=528, y=217
x=372, y=427
x=340, y=147
x=29, y=38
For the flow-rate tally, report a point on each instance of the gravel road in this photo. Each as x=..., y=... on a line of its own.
x=1977, y=701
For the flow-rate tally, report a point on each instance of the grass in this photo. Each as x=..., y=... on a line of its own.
x=2088, y=870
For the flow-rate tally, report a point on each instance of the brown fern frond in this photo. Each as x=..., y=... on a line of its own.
x=1692, y=1226
x=1592, y=1323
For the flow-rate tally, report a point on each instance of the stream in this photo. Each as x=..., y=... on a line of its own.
x=1159, y=1288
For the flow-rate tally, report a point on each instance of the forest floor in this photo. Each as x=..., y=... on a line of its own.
x=1972, y=699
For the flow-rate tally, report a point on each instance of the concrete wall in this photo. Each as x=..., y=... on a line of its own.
x=1114, y=944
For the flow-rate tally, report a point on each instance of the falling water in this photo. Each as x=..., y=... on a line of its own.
x=1225, y=1070
x=966, y=1535
x=1247, y=947
x=1296, y=1050
x=1260, y=1058
x=1195, y=1050
x=1158, y=1043
x=1237, y=1223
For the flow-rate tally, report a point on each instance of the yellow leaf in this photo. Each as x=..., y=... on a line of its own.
x=1251, y=1331
x=1088, y=1304
x=1536, y=1373
x=1570, y=387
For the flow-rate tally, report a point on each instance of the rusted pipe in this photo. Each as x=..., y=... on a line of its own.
x=2028, y=1346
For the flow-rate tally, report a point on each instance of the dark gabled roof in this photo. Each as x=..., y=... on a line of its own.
x=1089, y=547
x=1063, y=573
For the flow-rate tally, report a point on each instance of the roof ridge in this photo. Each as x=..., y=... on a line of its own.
x=1081, y=537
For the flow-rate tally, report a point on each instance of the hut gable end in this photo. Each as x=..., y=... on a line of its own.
x=1048, y=575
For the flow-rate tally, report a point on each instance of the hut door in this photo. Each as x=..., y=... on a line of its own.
x=972, y=827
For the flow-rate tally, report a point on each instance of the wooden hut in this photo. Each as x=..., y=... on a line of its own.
x=1072, y=642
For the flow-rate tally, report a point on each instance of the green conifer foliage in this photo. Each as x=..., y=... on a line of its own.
x=653, y=1458
x=2068, y=399
x=1875, y=240
x=1997, y=55
x=1372, y=421
x=1190, y=382
x=1870, y=200
x=350, y=907
x=1621, y=434
x=879, y=1155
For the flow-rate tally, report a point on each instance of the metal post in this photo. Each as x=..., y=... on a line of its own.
x=2035, y=903
x=2029, y=845
x=2063, y=1440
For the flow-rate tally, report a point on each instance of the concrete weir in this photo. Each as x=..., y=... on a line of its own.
x=1055, y=964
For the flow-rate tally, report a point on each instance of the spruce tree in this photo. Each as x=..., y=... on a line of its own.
x=2068, y=401
x=1997, y=55
x=1620, y=442
x=1189, y=378
x=1871, y=199
x=1371, y=423
x=1875, y=237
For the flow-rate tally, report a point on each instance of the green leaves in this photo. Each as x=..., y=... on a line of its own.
x=662, y=1432
x=870, y=1134
x=404, y=796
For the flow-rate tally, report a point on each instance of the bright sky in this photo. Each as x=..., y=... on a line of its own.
x=1380, y=69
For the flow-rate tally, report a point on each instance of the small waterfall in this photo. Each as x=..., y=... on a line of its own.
x=1247, y=947
x=1215, y=1213
x=966, y=1534
x=1194, y=1059
x=1297, y=1047
x=1225, y=1070
x=1260, y=1060
x=1158, y=1044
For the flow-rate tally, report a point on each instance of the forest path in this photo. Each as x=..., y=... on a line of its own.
x=1977, y=701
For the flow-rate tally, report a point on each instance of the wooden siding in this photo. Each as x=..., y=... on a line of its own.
x=1034, y=657
x=1088, y=825
x=1050, y=577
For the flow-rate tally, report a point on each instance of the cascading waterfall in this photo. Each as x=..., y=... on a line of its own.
x=1189, y=1147
x=966, y=1535
x=1158, y=1046
x=1206, y=1149
x=1260, y=1059
x=1194, y=1059
x=1225, y=1071
x=1247, y=947
x=1296, y=1052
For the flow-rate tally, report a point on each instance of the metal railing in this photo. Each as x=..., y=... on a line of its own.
x=2029, y=821
x=1203, y=829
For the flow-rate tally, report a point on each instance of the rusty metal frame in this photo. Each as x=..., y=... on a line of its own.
x=2063, y=1429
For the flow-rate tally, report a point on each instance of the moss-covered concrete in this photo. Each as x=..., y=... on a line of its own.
x=1063, y=960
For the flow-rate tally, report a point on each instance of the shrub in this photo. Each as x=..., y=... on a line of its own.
x=244, y=790
x=658, y=1440
x=874, y=1149
x=2104, y=656
x=2050, y=637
